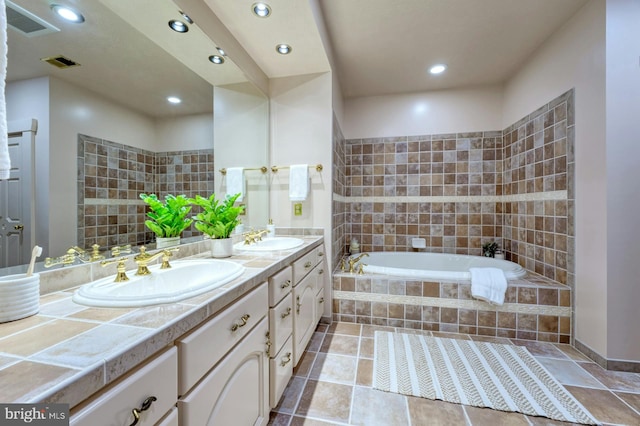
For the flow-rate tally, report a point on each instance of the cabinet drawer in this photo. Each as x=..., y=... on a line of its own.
x=303, y=266
x=202, y=349
x=158, y=378
x=236, y=391
x=280, y=285
x=170, y=419
x=319, y=254
x=320, y=274
x=280, y=323
x=280, y=371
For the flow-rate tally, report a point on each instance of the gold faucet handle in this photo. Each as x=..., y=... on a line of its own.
x=343, y=265
x=361, y=268
x=167, y=253
x=116, y=251
x=64, y=260
x=95, y=253
x=121, y=276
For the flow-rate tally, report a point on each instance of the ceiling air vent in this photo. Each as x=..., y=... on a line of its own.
x=26, y=22
x=60, y=61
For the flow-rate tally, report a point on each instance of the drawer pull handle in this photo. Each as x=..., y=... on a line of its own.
x=243, y=322
x=321, y=300
x=308, y=265
x=298, y=304
x=268, y=343
x=286, y=314
x=286, y=360
x=285, y=284
x=320, y=254
x=146, y=404
x=321, y=271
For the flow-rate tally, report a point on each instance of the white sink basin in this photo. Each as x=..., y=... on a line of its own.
x=186, y=278
x=271, y=244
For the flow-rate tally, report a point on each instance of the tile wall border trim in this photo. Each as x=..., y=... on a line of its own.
x=519, y=308
x=534, y=196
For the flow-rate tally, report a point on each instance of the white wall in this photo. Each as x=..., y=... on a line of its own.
x=575, y=57
x=301, y=133
x=623, y=174
x=186, y=133
x=241, y=139
x=427, y=113
x=29, y=99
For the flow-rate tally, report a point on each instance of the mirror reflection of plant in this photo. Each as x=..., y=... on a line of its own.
x=169, y=218
x=218, y=218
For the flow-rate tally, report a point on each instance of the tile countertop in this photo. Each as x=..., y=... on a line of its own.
x=68, y=351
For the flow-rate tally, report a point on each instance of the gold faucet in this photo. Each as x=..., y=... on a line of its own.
x=85, y=257
x=353, y=261
x=116, y=251
x=64, y=260
x=121, y=276
x=253, y=236
x=143, y=259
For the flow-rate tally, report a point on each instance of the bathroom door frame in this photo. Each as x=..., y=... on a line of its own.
x=17, y=195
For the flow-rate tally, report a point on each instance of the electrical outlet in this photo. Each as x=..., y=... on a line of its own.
x=297, y=209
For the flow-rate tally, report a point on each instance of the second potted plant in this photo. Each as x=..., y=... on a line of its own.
x=167, y=219
x=218, y=219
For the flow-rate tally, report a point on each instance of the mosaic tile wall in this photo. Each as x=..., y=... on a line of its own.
x=458, y=191
x=111, y=177
x=535, y=307
x=340, y=206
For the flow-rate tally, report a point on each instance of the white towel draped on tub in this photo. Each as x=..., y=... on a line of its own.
x=298, y=182
x=5, y=161
x=235, y=182
x=488, y=284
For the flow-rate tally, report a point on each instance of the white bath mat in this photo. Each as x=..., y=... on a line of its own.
x=502, y=377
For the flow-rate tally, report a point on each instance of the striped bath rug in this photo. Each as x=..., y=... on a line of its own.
x=502, y=377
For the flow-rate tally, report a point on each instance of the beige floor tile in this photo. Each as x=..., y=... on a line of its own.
x=301, y=421
x=43, y=336
x=364, y=376
x=423, y=411
x=290, y=396
x=325, y=401
x=572, y=352
x=369, y=330
x=615, y=380
x=542, y=421
x=374, y=407
x=366, y=347
x=345, y=328
x=451, y=335
x=9, y=328
x=334, y=368
x=541, y=348
x=338, y=344
x=304, y=365
x=633, y=399
x=488, y=417
x=569, y=373
x=605, y=406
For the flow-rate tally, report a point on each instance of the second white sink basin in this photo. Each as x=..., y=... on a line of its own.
x=271, y=244
x=185, y=278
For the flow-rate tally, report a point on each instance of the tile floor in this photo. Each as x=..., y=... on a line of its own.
x=332, y=386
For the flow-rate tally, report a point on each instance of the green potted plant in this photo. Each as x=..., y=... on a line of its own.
x=489, y=249
x=218, y=219
x=167, y=219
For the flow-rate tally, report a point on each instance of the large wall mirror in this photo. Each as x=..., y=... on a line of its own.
x=106, y=131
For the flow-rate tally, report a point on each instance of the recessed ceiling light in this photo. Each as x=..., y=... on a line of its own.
x=186, y=17
x=261, y=10
x=178, y=26
x=174, y=99
x=283, y=49
x=221, y=52
x=438, y=69
x=216, y=59
x=68, y=13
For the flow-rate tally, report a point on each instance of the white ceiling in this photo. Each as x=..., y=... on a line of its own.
x=387, y=46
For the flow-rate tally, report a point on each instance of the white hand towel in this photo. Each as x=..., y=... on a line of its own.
x=5, y=161
x=488, y=284
x=235, y=182
x=298, y=182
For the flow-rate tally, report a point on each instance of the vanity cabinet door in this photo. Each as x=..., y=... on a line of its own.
x=280, y=371
x=236, y=391
x=280, y=285
x=304, y=307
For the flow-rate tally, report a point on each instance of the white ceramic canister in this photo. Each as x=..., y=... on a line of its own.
x=19, y=296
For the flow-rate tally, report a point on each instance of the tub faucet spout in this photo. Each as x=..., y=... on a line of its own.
x=353, y=261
